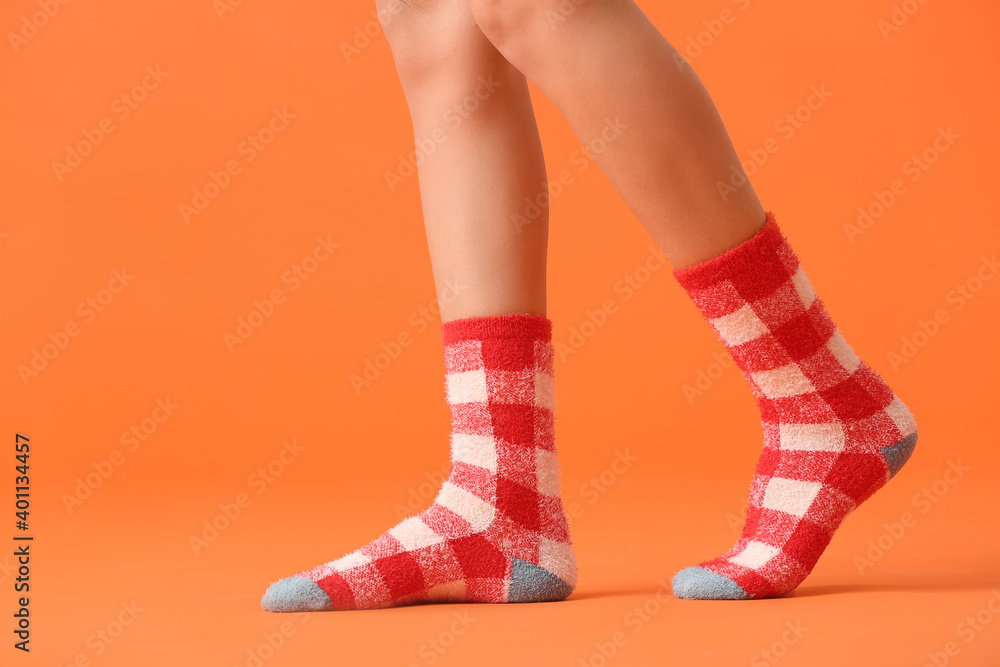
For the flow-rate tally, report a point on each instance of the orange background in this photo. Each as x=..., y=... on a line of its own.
x=365, y=454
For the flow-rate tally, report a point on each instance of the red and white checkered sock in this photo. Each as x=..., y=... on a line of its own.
x=834, y=433
x=496, y=531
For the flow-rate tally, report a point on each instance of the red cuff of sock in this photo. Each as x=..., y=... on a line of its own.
x=516, y=325
x=748, y=257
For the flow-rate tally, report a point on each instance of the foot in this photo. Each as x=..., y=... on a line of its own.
x=496, y=531
x=834, y=432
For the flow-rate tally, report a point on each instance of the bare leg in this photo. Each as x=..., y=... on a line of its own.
x=481, y=172
x=487, y=537
x=605, y=60
x=834, y=432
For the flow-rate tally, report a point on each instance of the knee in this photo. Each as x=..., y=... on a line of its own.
x=426, y=36
x=514, y=25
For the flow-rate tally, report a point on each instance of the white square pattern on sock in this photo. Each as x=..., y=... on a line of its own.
x=804, y=289
x=782, y=382
x=842, y=352
x=739, y=326
x=812, y=437
x=473, y=509
x=793, y=496
x=413, y=533
x=557, y=558
x=547, y=472
x=754, y=555
x=477, y=450
x=467, y=387
x=353, y=559
x=544, y=390
x=901, y=417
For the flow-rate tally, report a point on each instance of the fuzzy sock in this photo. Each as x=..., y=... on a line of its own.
x=834, y=433
x=496, y=531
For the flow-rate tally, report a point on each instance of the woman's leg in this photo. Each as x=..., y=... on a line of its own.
x=496, y=532
x=834, y=433
x=467, y=100
x=603, y=60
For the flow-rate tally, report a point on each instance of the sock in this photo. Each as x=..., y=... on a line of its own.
x=834, y=433
x=496, y=531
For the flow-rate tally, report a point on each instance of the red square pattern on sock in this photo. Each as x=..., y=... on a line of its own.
x=401, y=574
x=514, y=423
x=519, y=503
